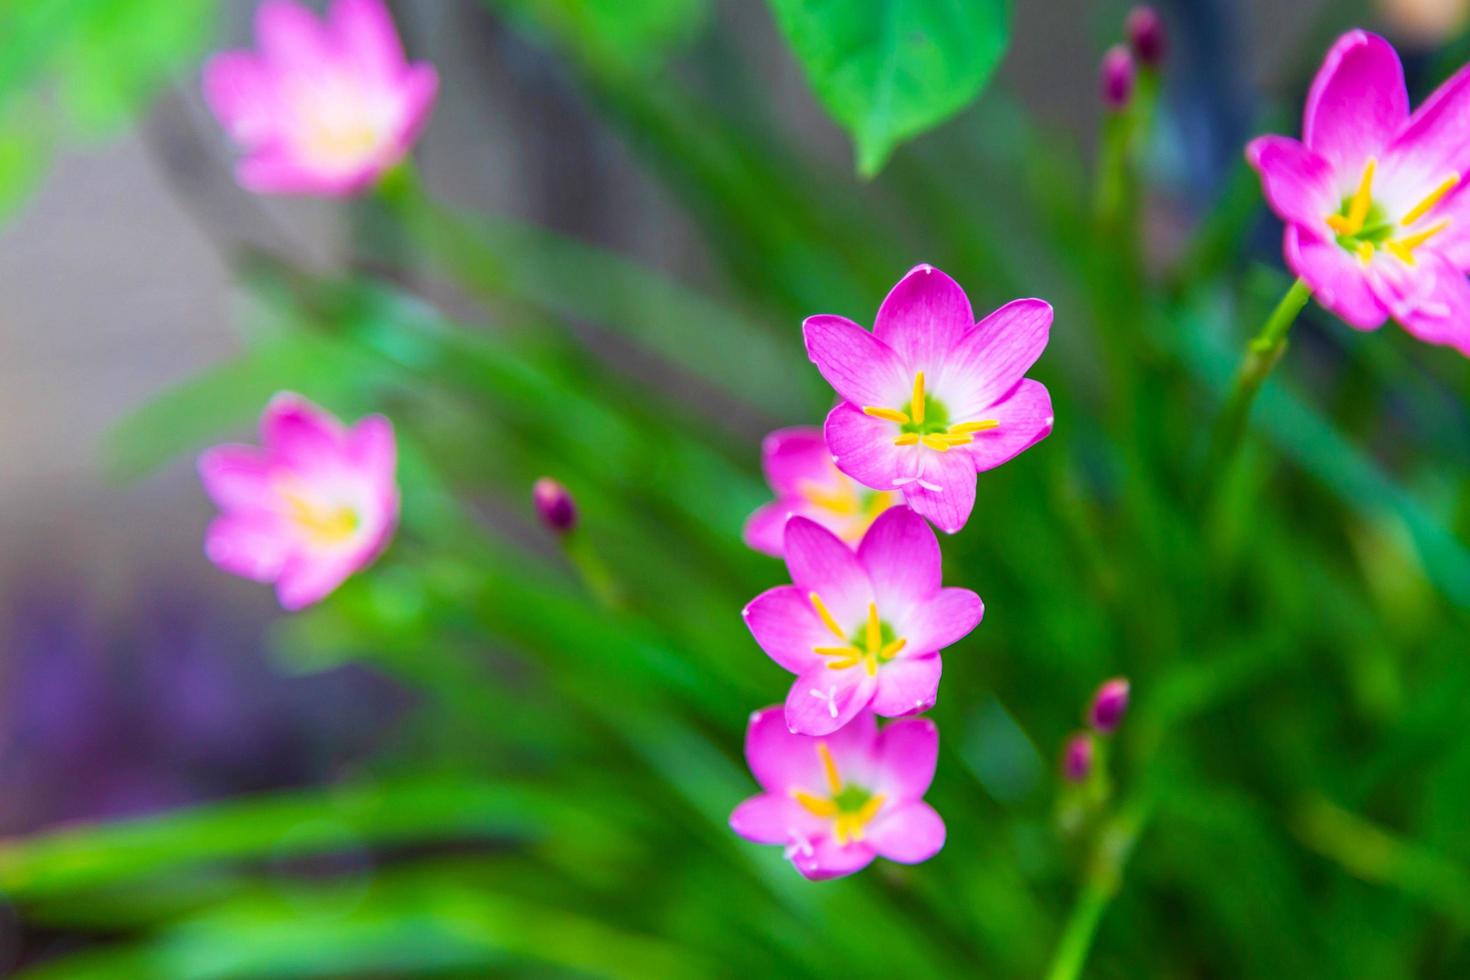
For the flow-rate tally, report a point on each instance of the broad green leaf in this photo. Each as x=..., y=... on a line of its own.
x=889, y=69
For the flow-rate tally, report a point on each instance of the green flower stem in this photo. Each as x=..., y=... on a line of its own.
x=1261, y=355
x=596, y=576
x=1111, y=850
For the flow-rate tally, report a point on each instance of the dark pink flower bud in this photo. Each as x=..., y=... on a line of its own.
x=1108, y=705
x=1118, y=72
x=1145, y=30
x=555, y=505
x=1077, y=758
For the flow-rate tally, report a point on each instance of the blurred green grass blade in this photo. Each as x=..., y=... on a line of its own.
x=889, y=69
x=618, y=37
x=283, y=825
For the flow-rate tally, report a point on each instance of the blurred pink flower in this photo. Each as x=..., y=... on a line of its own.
x=1108, y=706
x=930, y=397
x=1377, y=221
x=864, y=628
x=324, y=106
x=839, y=801
x=799, y=468
x=316, y=504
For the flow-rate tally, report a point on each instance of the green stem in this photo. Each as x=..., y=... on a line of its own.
x=1261, y=356
x=1110, y=855
x=596, y=576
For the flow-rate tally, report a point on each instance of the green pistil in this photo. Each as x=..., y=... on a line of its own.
x=851, y=798
x=936, y=417
x=859, y=638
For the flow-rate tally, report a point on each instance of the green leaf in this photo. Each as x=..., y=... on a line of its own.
x=613, y=36
x=890, y=69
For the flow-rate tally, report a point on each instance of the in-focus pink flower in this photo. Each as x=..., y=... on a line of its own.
x=930, y=397
x=1377, y=221
x=861, y=629
x=799, y=468
x=837, y=802
x=324, y=106
x=317, y=503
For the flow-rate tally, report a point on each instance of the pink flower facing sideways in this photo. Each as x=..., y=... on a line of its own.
x=323, y=107
x=317, y=503
x=930, y=397
x=1377, y=218
x=799, y=468
x=861, y=629
x=837, y=802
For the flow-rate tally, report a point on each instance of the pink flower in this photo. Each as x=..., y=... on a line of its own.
x=930, y=398
x=839, y=801
x=799, y=468
x=861, y=629
x=1377, y=221
x=316, y=504
x=324, y=107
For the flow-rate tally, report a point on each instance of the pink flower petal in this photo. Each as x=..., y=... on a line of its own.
x=787, y=628
x=419, y=90
x=791, y=457
x=1433, y=145
x=901, y=555
x=237, y=478
x=240, y=93
x=822, y=700
x=290, y=36
x=775, y=818
x=908, y=753
x=953, y=474
x=765, y=531
x=821, y=563
x=256, y=547
x=278, y=170
x=993, y=357
x=1356, y=104
x=1025, y=418
x=1431, y=300
x=1300, y=186
x=1338, y=280
x=308, y=578
x=363, y=30
x=863, y=447
x=945, y=619
x=823, y=858
x=922, y=317
x=908, y=834
x=907, y=686
x=782, y=761
x=371, y=446
x=299, y=433
x=862, y=368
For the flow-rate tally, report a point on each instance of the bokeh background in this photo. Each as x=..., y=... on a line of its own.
x=1308, y=660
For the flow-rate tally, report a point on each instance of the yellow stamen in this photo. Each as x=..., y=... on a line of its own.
x=1435, y=196
x=956, y=438
x=1358, y=208
x=815, y=805
x=935, y=442
x=1403, y=248
x=841, y=501
x=834, y=781
x=918, y=405
x=323, y=524
x=875, y=629
x=983, y=425
x=821, y=608
x=890, y=414
x=907, y=439
x=1365, y=252
x=890, y=650
x=837, y=651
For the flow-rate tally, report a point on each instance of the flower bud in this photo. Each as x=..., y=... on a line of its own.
x=1077, y=758
x=1145, y=30
x=1118, y=73
x=1108, y=705
x=554, y=505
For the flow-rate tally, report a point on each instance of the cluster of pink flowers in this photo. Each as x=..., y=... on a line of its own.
x=927, y=400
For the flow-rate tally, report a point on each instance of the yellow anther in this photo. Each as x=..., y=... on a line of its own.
x=1435, y=196
x=1365, y=252
x=875, y=629
x=890, y=650
x=1362, y=200
x=918, y=404
x=983, y=425
x=890, y=414
x=825, y=613
x=1403, y=248
x=956, y=438
x=936, y=442
x=834, y=781
x=815, y=805
x=907, y=439
x=841, y=501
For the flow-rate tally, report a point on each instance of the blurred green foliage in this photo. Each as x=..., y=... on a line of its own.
x=1292, y=781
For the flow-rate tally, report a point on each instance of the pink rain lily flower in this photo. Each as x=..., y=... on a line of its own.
x=861, y=629
x=324, y=107
x=1377, y=221
x=930, y=397
x=799, y=468
x=837, y=802
x=316, y=504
